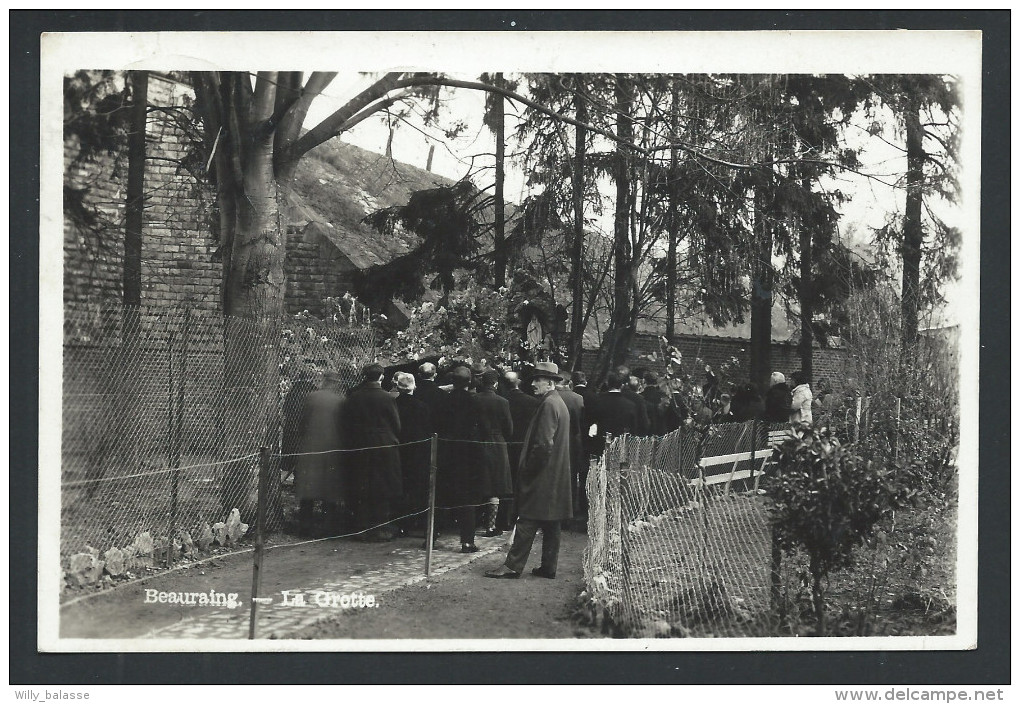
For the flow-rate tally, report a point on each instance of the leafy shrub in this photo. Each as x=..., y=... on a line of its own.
x=827, y=501
x=909, y=395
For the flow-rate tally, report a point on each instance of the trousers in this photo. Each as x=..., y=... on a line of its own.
x=524, y=538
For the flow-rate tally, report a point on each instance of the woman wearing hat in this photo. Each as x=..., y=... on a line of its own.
x=415, y=451
x=543, y=489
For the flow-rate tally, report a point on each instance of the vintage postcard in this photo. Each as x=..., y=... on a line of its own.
x=455, y=341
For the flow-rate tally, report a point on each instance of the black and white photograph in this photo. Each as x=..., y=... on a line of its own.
x=497, y=341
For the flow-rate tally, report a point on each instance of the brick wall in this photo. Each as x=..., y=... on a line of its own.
x=315, y=270
x=177, y=244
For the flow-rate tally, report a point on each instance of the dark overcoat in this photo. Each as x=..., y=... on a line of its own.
x=416, y=428
x=615, y=414
x=371, y=421
x=778, y=404
x=522, y=408
x=641, y=422
x=591, y=398
x=293, y=412
x=496, y=426
x=543, y=486
x=318, y=474
x=656, y=401
x=747, y=404
x=460, y=480
x=575, y=409
x=430, y=394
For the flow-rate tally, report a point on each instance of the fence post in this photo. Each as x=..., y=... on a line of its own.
x=624, y=570
x=175, y=476
x=775, y=569
x=260, y=522
x=754, y=447
x=430, y=527
x=857, y=419
x=173, y=460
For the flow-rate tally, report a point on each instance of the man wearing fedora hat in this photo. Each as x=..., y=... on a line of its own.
x=543, y=480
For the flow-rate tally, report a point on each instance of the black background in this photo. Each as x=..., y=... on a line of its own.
x=988, y=664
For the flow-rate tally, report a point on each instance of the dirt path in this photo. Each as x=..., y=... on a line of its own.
x=464, y=604
x=461, y=602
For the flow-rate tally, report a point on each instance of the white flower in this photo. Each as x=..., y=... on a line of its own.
x=323, y=339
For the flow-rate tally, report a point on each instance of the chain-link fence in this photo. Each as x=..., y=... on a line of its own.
x=679, y=538
x=164, y=414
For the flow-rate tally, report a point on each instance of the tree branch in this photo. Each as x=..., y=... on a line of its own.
x=333, y=125
x=289, y=128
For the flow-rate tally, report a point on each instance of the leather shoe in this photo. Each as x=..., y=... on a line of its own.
x=503, y=572
x=541, y=572
x=493, y=533
x=468, y=548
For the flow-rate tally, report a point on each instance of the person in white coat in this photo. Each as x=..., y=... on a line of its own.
x=800, y=411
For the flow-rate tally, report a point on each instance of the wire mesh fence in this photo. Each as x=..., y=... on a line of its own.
x=163, y=417
x=679, y=537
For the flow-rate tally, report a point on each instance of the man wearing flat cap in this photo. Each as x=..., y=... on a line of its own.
x=543, y=489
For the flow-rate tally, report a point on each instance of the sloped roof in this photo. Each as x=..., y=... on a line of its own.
x=338, y=184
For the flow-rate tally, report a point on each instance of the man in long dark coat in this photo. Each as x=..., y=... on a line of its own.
x=641, y=422
x=371, y=421
x=656, y=400
x=543, y=491
x=496, y=426
x=575, y=409
x=579, y=380
x=778, y=399
x=317, y=474
x=522, y=408
x=615, y=414
x=426, y=389
x=415, y=449
x=293, y=412
x=461, y=486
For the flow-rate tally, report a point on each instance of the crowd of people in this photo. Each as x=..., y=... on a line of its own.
x=511, y=453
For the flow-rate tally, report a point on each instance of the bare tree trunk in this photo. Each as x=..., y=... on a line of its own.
x=500, y=235
x=913, y=234
x=577, y=246
x=806, y=299
x=622, y=330
x=254, y=298
x=127, y=428
x=135, y=205
x=673, y=223
x=761, y=294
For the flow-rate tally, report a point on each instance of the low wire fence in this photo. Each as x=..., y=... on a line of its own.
x=679, y=542
x=164, y=412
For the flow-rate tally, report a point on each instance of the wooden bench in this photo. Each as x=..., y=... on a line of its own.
x=758, y=460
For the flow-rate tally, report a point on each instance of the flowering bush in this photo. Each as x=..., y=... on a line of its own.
x=342, y=341
x=473, y=322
